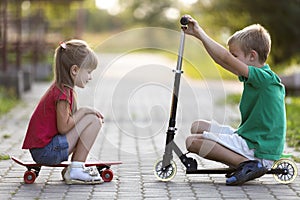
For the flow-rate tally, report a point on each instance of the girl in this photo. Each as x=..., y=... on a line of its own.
x=57, y=128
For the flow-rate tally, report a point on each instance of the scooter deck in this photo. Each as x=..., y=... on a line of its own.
x=227, y=171
x=211, y=171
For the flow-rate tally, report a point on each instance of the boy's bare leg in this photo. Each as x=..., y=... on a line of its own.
x=82, y=137
x=213, y=151
x=198, y=127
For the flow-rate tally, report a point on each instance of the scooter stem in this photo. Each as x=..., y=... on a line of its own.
x=180, y=51
x=176, y=86
x=172, y=122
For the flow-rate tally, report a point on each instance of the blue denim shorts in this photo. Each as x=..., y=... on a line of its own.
x=54, y=153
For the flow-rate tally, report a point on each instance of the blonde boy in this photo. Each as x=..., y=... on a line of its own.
x=260, y=138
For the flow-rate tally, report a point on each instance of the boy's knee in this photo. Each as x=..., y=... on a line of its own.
x=194, y=127
x=194, y=143
x=190, y=143
x=200, y=126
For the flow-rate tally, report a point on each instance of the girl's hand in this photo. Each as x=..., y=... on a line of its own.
x=99, y=115
x=94, y=111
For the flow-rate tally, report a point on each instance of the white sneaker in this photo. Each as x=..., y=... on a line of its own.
x=82, y=175
x=65, y=173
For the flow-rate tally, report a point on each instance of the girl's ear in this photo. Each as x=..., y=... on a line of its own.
x=74, y=70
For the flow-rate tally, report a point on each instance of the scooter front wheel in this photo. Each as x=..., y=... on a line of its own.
x=165, y=173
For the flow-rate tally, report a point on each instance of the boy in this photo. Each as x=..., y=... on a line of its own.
x=260, y=138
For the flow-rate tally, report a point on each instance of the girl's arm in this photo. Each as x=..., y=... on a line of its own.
x=66, y=121
x=218, y=53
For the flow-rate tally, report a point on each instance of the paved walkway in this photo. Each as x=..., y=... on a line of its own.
x=133, y=93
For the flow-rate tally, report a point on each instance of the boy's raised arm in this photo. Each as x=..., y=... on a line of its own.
x=218, y=53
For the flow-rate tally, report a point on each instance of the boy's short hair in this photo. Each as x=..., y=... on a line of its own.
x=253, y=37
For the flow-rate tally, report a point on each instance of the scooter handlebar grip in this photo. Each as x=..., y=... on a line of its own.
x=184, y=20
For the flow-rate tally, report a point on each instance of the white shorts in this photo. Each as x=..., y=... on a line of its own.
x=227, y=136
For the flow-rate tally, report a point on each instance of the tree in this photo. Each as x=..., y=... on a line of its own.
x=279, y=17
x=148, y=12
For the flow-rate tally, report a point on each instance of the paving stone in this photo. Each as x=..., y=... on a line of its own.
x=136, y=115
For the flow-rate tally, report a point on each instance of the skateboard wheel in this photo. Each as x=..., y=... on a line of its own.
x=289, y=168
x=107, y=175
x=29, y=177
x=165, y=173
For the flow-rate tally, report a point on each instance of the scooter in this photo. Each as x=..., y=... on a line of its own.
x=284, y=170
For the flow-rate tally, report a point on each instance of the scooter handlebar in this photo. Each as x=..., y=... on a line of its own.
x=184, y=21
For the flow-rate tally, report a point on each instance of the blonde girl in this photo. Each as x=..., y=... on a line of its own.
x=57, y=128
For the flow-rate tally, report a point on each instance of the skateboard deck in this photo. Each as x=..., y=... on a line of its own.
x=33, y=169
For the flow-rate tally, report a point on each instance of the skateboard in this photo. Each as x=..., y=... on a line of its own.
x=33, y=169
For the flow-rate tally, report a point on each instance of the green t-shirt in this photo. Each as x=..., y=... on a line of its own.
x=262, y=108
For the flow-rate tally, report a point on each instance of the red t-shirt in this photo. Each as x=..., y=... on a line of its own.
x=43, y=123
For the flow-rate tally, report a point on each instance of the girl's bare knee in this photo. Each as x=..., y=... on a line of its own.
x=91, y=118
x=198, y=127
x=93, y=122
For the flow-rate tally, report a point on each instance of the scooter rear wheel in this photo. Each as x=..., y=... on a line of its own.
x=290, y=171
x=165, y=173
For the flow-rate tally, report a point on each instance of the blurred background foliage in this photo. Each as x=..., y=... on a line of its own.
x=98, y=20
x=220, y=18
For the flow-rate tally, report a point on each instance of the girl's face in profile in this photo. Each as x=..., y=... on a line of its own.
x=82, y=77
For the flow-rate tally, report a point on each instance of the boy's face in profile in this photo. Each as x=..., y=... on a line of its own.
x=237, y=52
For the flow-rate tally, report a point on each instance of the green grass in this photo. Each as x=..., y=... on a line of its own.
x=6, y=136
x=4, y=157
x=293, y=122
x=293, y=118
x=233, y=99
x=8, y=100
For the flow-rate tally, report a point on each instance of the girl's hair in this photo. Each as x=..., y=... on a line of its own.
x=253, y=37
x=72, y=52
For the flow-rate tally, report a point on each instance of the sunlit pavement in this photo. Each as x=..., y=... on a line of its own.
x=133, y=92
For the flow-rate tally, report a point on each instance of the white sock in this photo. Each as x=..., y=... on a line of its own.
x=79, y=172
x=77, y=164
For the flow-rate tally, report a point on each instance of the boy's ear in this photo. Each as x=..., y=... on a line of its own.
x=253, y=55
x=74, y=70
